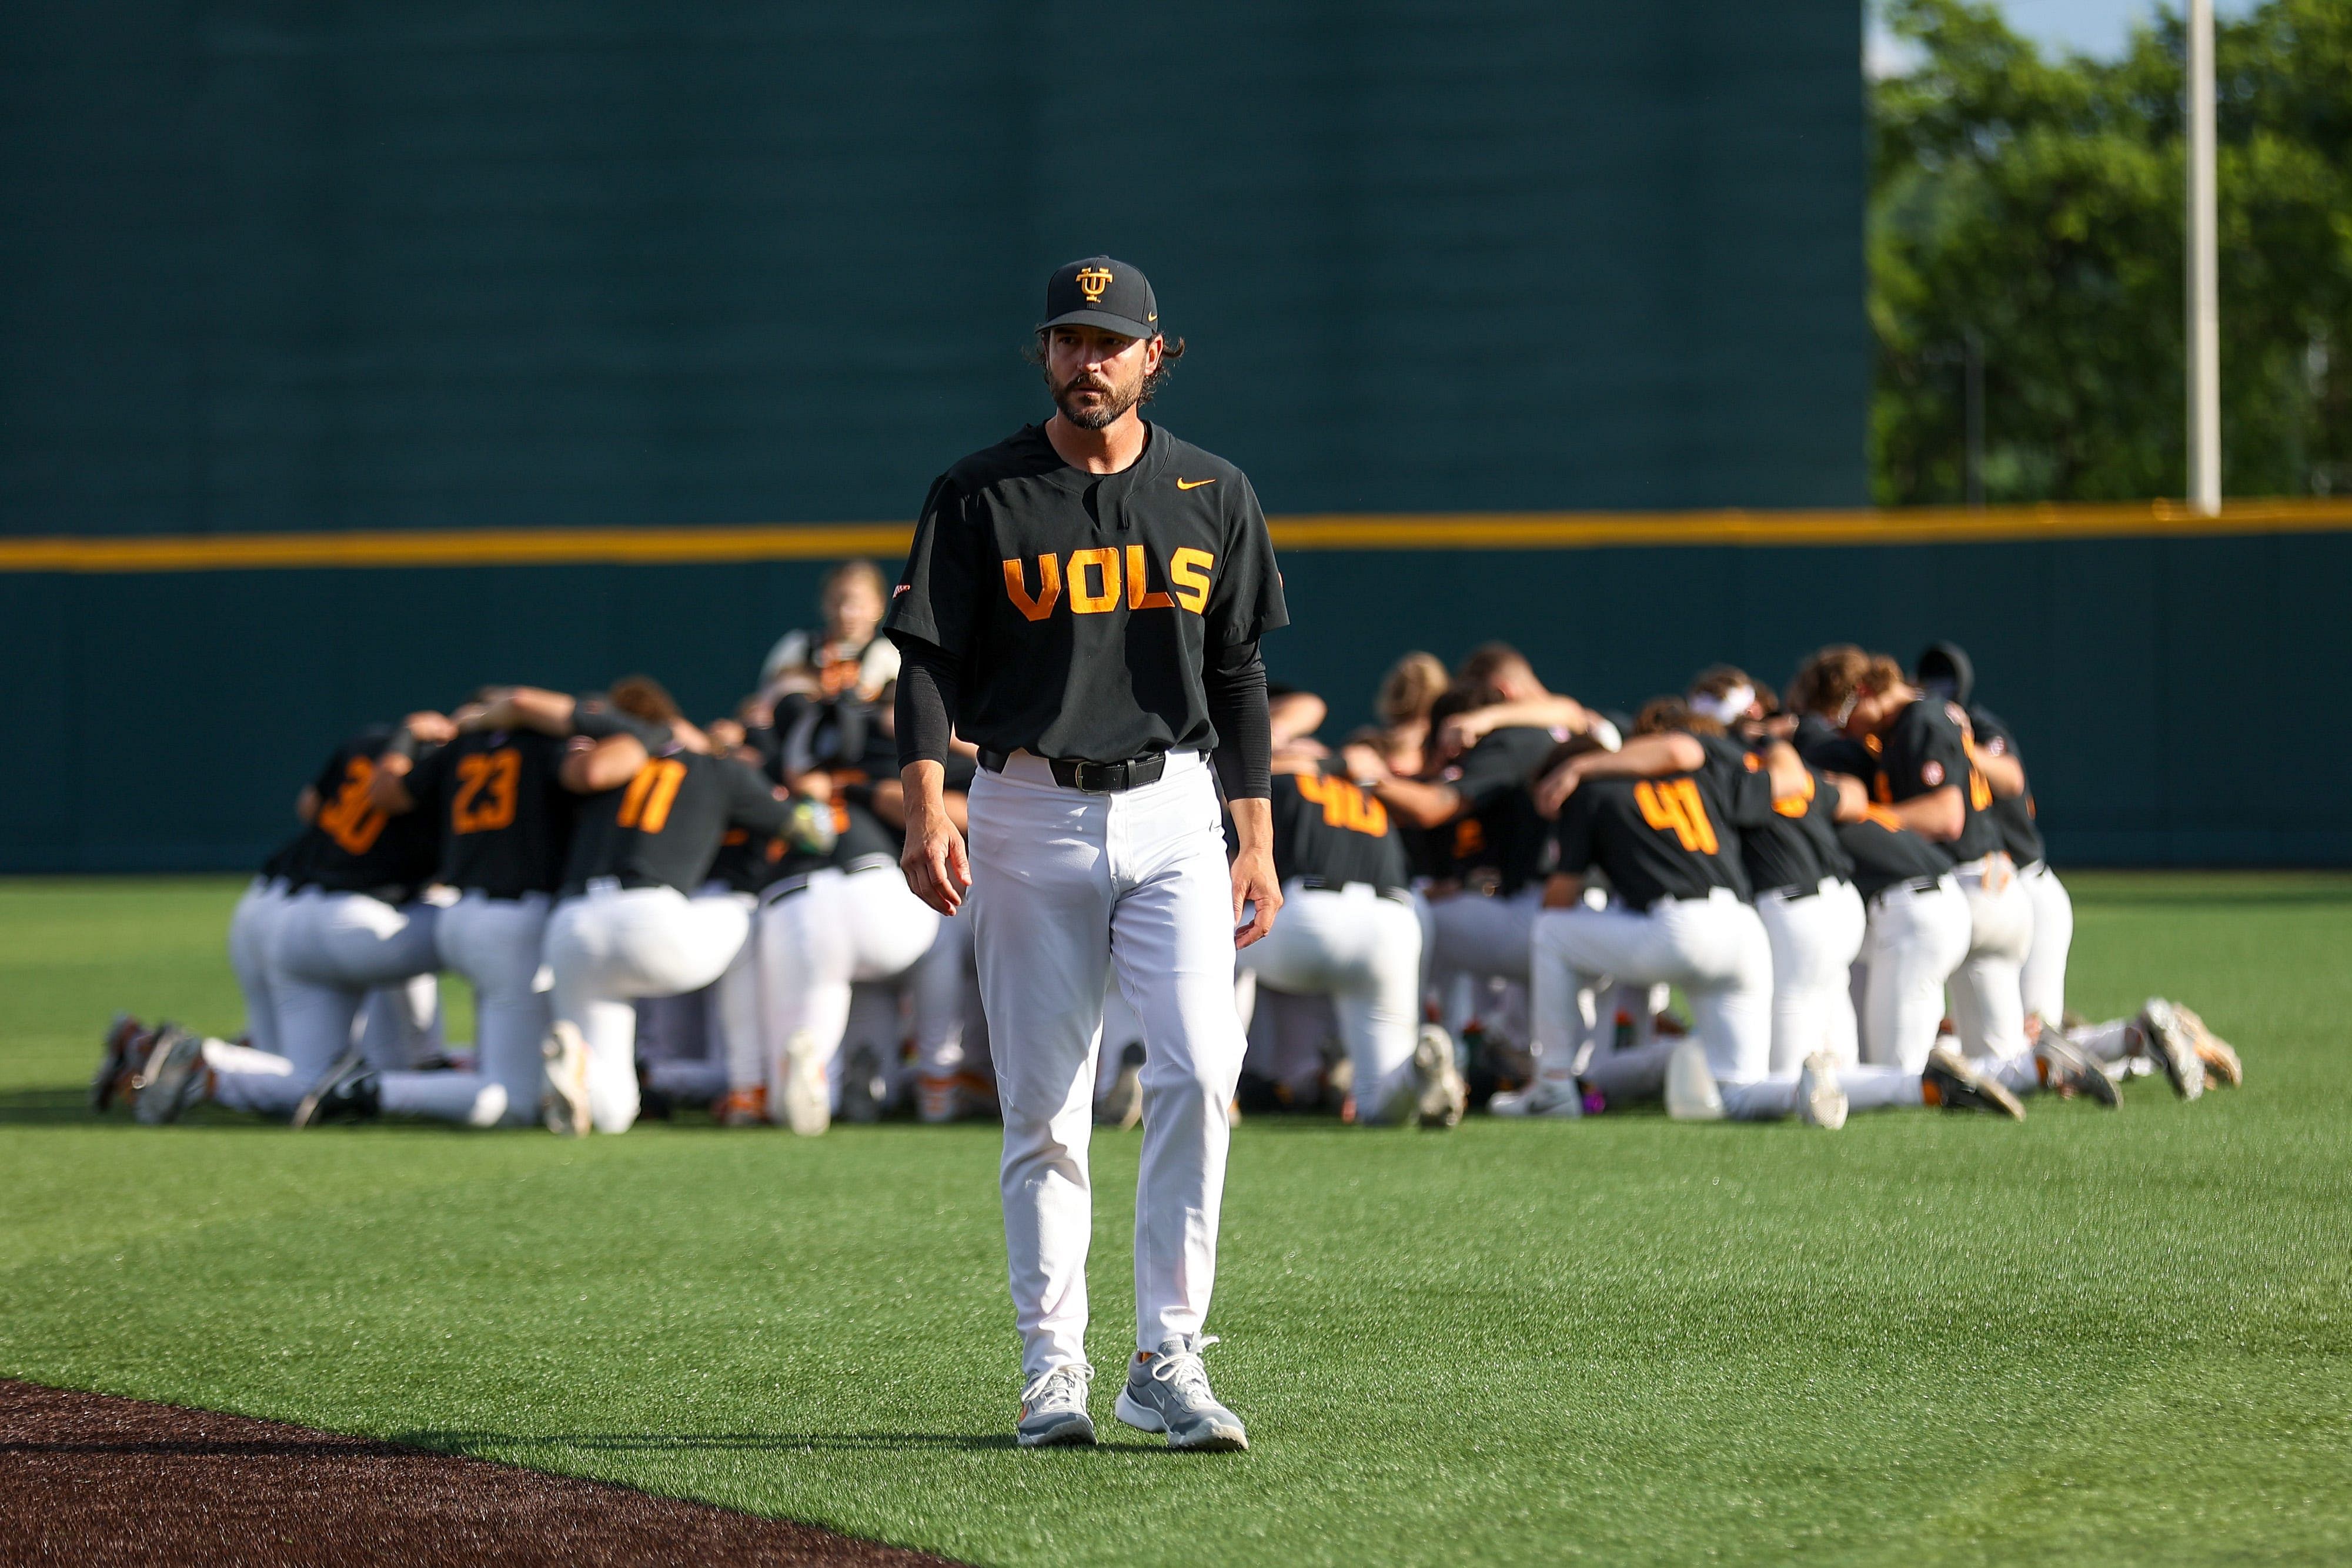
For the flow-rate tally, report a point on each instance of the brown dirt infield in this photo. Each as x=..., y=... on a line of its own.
x=88, y=1477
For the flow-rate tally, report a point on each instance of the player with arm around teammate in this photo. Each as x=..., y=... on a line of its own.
x=625, y=923
x=1084, y=601
x=1350, y=930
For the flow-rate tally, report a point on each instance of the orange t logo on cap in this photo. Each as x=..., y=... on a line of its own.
x=1092, y=281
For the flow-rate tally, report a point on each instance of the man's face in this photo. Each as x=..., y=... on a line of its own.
x=1097, y=376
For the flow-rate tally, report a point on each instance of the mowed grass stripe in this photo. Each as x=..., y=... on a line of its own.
x=2106, y=1338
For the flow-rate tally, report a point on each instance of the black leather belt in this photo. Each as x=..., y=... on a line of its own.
x=1093, y=778
x=1914, y=884
x=1330, y=884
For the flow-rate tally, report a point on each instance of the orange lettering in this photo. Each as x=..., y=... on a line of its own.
x=1673, y=805
x=1049, y=587
x=1137, y=599
x=1103, y=563
x=1189, y=570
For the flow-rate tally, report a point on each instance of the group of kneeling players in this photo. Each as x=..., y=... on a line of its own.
x=1490, y=897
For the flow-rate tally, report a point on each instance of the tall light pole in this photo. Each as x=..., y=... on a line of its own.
x=2203, y=270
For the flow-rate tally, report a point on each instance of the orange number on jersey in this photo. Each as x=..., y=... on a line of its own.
x=486, y=785
x=347, y=819
x=1344, y=805
x=1674, y=806
x=651, y=794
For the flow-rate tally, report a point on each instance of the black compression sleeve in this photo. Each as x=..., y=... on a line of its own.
x=927, y=696
x=1235, y=687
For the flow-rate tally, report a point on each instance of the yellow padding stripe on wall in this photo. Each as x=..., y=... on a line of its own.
x=422, y=547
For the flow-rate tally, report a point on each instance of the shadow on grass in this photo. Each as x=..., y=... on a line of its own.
x=45, y=1107
x=488, y=1443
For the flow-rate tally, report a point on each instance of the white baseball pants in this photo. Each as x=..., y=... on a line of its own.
x=819, y=941
x=496, y=942
x=1918, y=937
x=1363, y=951
x=2043, y=980
x=613, y=944
x=1288, y=1034
x=1987, y=989
x=1815, y=934
x=251, y=929
x=327, y=951
x=1071, y=889
x=1714, y=947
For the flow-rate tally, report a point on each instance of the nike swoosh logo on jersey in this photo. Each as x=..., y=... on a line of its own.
x=1193, y=484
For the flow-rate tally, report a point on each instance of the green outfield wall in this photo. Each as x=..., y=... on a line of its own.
x=275, y=271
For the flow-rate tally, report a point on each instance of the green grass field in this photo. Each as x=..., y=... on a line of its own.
x=2096, y=1337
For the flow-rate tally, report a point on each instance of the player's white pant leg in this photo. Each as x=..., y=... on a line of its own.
x=1042, y=898
x=1476, y=936
x=939, y=986
x=820, y=938
x=1363, y=951
x=497, y=944
x=400, y=1023
x=1286, y=1034
x=739, y=1007
x=1988, y=995
x=613, y=944
x=878, y=1021
x=2110, y=1042
x=329, y=950
x=1813, y=939
x=250, y=930
x=1849, y=931
x=2044, y=978
x=1918, y=936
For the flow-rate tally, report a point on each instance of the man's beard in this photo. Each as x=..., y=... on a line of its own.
x=1098, y=415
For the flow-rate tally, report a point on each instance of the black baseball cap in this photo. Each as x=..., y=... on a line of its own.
x=1100, y=292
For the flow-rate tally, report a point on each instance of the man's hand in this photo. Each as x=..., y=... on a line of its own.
x=1253, y=879
x=934, y=860
x=1554, y=788
x=1362, y=762
x=430, y=727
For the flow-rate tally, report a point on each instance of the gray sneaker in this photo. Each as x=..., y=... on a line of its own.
x=1168, y=1391
x=1054, y=1409
x=172, y=1079
x=1441, y=1096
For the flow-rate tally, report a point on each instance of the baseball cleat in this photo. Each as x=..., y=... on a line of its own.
x=1054, y=1409
x=808, y=1098
x=1821, y=1100
x=1121, y=1105
x=741, y=1107
x=2164, y=1037
x=1561, y=1099
x=864, y=1090
x=938, y=1098
x=1950, y=1082
x=1441, y=1097
x=119, y=1061
x=563, y=1082
x=354, y=1095
x=1168, y=1391
x=338, y=1070
x=2218, y=1055
x=2066, y=1073
x=171, y=1078
x=1691, y=1092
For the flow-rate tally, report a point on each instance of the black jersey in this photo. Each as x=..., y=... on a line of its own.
x=1880, y=850
x=1325, y=827
x=1677, y=837
x=505, y=815
x=1796, y=846
x=1081, y=607
x=284, y=862
x=1924, y=749
x=1498, y=827
x=352, y=847
x=2020, y=834
x=746, y=861
x=663, y=828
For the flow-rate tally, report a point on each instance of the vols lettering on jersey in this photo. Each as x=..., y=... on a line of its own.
x=1093, y=578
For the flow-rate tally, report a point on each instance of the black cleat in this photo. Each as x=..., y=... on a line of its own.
x=119, y=1058
x=1957, y=1086
x=171, y=1078
x=864, y=1090
x=2066, y=1073
x=335, y=1082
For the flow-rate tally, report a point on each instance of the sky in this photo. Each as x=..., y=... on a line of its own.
x=2099, y=27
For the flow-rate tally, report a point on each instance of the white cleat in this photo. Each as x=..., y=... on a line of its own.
x=563, y=1082
x=1559, y=1099
x=1691, y=1092
x=1821, y=1099
x=808, y=1098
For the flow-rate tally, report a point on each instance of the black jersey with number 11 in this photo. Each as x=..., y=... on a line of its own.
x=663, y=828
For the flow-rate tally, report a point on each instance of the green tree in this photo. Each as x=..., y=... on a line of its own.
x=2028, y=212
